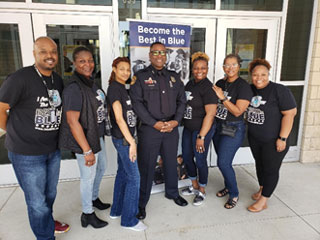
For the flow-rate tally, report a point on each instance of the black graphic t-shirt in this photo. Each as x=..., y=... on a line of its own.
x=239, y=89
x=118, y=92
x=198, y=95
x=264, y=112
x=34, y=118
x=72, y=100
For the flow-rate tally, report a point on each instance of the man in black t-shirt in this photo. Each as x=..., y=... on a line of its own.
x=32, y=94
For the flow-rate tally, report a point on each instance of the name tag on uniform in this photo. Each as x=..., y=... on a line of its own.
x=148, y=81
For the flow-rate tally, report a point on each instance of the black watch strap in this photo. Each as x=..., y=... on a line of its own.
x=200, y=137
x=282, y=138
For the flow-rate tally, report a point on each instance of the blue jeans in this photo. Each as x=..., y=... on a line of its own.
x=189, y=152
x=38, y=177
x=226, y=148
x=126, y=187
x=90, y=178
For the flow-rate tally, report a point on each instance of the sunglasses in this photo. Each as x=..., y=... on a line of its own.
x=157, y=53
x=231, y=65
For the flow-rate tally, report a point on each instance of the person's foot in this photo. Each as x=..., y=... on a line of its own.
x=231, y=203
x=254, y=208
x=142, y=213
x=222, y=192
x=140, y=226
x=257, y=195
x=100, y=205
x=93, y=220
x=199, y=198
x=189, y=191
x=259, y=205
x=180, y=201
x=60, y=227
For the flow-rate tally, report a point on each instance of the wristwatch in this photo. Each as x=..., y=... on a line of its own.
x=200, y=137
x=282, y=138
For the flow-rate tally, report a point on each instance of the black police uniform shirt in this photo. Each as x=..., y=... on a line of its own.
x=239, y=89
x=264, y=112
x=118, y=92
x=198, y=95
x=146, y=99
x=34, y=118
x=72, y=101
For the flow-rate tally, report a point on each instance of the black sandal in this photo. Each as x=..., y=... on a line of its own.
x=231, y=203
x=222, y=192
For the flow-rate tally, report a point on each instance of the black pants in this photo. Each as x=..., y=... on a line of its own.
x=151, y=144
x=268, y=162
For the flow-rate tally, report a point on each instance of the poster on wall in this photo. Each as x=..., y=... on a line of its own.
x=175, y=37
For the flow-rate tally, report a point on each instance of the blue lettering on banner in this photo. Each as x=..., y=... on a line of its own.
x=143, y=34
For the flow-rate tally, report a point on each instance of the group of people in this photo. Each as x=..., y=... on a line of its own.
x=145, y=112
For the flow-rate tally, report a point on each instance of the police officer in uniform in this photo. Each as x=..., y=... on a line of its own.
x=158, y=99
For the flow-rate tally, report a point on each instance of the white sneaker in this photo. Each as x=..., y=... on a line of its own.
x=189, y=191
x=140, y=226
x=114, y=217
x=199, y=198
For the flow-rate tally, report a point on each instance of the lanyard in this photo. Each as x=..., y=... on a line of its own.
x=50, y=92
x=40, y=75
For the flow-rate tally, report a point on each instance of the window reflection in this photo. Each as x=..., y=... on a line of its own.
x=200, y=4
x=80, y=2
x=10, y=57
x=297, y=93
x=265, y=5
x=295, y=51
x=248, y=44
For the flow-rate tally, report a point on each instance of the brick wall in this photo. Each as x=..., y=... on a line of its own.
x=310, y=149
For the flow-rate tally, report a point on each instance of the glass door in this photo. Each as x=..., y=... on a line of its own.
x=16, y=40
x=250, y=39
x=70, y=31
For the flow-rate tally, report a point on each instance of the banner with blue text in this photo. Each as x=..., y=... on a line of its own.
x=175, y=37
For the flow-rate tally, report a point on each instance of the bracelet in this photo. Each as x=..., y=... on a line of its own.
x=87, y=153
x=225, y=99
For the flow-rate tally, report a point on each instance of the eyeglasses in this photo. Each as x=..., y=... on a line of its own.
x=227, y=66
x=157, y=53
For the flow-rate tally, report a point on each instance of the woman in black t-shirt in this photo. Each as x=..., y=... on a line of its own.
x=198, y=131
x=234, y=95
x=123, y=121
x=270, y=118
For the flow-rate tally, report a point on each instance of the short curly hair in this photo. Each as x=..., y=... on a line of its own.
x=259, y=62
x=199, y=56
